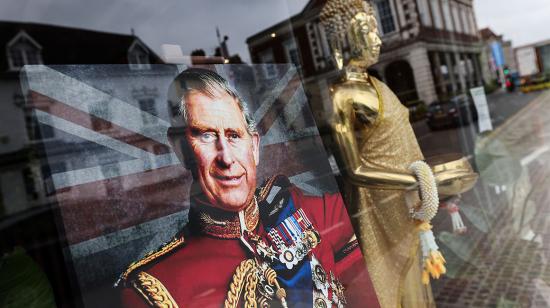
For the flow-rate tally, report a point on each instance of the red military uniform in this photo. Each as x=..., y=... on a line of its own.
x=201, y=271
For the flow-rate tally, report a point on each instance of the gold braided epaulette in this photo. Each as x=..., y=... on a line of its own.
x=268, y=184
x=154, y=292
x=264, y=190
x=164, y=249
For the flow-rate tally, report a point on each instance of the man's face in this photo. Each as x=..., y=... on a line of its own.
x=226, y=154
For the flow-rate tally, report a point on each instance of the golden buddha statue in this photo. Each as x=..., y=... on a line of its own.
x=375, y=149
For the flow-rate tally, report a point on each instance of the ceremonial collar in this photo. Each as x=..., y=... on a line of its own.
x=224, y=224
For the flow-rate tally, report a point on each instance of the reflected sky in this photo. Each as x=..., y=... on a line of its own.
x=523, y=22
x=192, y=23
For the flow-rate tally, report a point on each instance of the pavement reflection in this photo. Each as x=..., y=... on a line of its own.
x=502, y=260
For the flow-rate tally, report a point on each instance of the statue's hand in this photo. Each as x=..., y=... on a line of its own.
x=454, y=177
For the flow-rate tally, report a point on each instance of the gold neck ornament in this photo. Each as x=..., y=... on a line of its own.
x=227, y=225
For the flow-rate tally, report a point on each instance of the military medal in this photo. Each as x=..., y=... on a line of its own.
x=319, y=277
x=290, y=242
x=288, y=257
x=328, y=291
x=338, y=297
x=320, y=301
x=259, y=276
x=294, y=238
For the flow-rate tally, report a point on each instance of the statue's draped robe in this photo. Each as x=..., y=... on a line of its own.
x=386, y=233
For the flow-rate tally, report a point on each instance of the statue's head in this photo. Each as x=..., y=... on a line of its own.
x=355, y=20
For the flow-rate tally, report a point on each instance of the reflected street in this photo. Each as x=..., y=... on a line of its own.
x=501, y=261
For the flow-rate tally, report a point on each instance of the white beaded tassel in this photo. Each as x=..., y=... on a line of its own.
x=456, y=219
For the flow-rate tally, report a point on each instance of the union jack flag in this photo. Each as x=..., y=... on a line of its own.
x=121, y=189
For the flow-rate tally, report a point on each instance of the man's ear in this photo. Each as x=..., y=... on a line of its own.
x=256, y=147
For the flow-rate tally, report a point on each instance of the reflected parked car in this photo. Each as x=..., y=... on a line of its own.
x=459, y=110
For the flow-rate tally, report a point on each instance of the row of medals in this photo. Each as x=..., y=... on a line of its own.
x=328, y=291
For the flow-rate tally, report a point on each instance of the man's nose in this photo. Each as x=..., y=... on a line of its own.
x=225, y=155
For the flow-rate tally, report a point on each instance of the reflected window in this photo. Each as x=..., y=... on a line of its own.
x=22, y=50
x=18, y=100
x=138, y=56
x=48, y=171
x=447, y=16
x=98, y=111
x=30, y=184
x=436, y=14
x=385, y=16
x=2, y=206
x=110, y=171
x=456, y=18
x=46, y=132
x=292, y=52
x=444, y=70
x=467, y=25
x=147, y=105
x=174, y=108
x=270, y=71
x=472, y=22
x=37, y=131
x=147, y=165
x=424, y=12
x=113, y=185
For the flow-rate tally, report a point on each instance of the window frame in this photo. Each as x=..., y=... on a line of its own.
x=383, y=18
x=12, y=47
x=134, y=55
x=150, y=109
x=289, y=46
x=437, y=16
x=269, y=70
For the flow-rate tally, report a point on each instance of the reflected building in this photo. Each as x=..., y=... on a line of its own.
x=431, y=49
x=21, y=136
x=490, y=69
x=533, y=59
x=31, y=152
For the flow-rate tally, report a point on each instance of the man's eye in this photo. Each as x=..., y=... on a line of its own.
x=233, y=136
x=207, y=137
